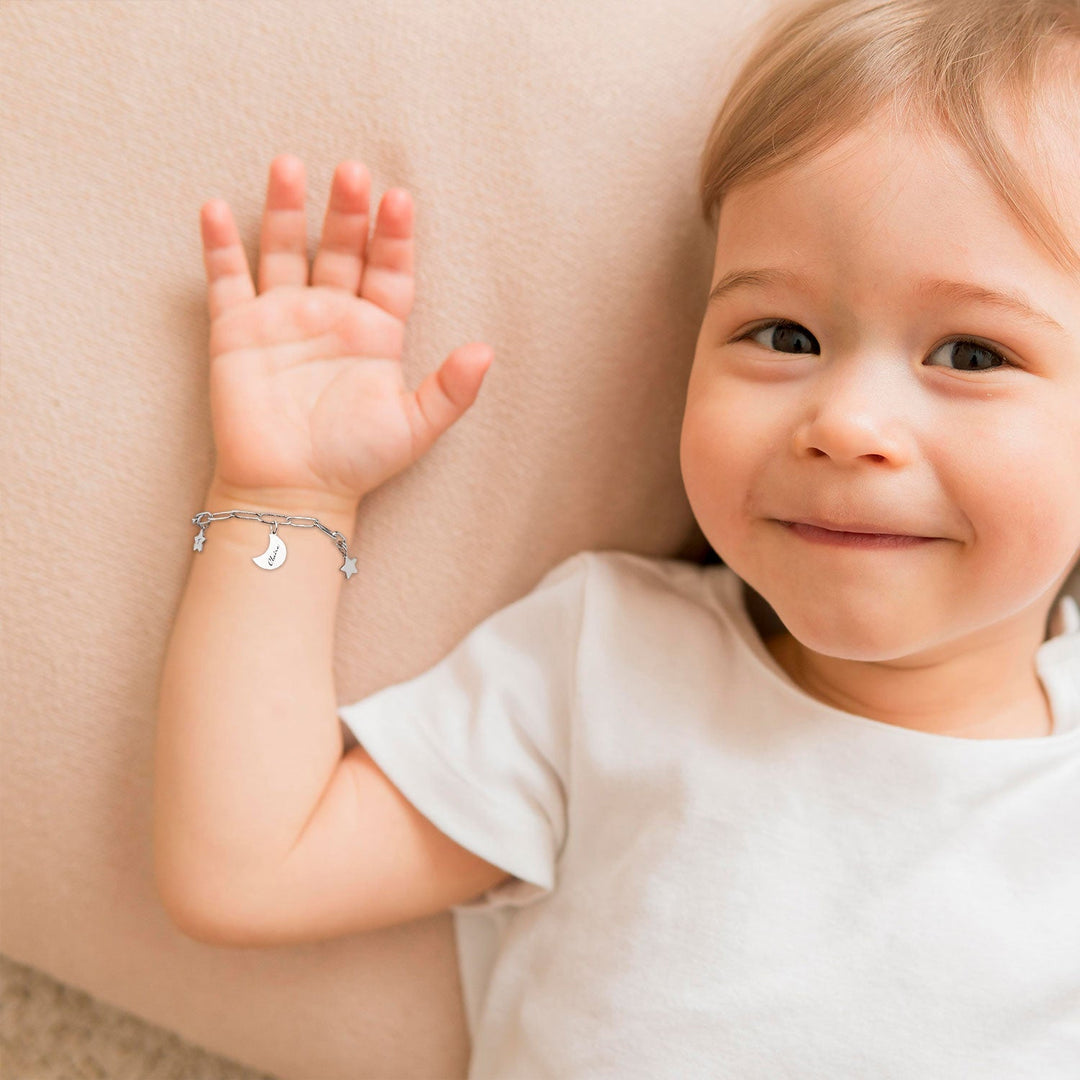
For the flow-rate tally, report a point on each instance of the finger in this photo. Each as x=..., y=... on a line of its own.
x=388, y=272
x=444, y=395
x=283, y=239
x=339, y=262
x=228, y=277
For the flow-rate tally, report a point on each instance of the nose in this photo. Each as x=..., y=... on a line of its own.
x=857, y=409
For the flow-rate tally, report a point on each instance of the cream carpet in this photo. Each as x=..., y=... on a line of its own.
x=50, y=1031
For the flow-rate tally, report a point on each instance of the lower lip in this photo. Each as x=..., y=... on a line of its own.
x=854, y=540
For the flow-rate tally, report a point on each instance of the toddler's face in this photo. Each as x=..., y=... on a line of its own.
x=860, y=410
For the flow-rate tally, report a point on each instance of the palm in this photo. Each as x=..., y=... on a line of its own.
x=306, y=384
x=306, y=367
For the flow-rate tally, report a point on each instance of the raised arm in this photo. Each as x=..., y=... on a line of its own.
x=310, y=413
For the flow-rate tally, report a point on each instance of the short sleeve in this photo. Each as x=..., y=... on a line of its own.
x=480, y=742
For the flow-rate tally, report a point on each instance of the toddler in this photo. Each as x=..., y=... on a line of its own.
x=813, y=811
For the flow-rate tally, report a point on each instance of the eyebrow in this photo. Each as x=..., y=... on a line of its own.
x=960, y=292
x=753, y=279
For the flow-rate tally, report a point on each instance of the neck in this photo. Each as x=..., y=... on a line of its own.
x=987, y=692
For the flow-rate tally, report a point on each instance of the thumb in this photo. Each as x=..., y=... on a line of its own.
x=444, y=395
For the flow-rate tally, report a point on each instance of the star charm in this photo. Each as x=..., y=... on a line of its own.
x=348, y=568
x=199, y=541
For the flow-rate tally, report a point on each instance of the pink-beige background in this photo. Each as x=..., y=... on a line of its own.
x=551, y=150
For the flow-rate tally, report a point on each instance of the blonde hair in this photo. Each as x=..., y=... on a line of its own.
x=822, y=68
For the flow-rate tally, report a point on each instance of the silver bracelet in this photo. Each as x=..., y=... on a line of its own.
x=276, y=552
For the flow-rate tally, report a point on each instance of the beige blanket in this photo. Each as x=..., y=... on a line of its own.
x=551, y=151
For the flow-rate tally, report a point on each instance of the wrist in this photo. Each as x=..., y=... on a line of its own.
x=338, y=514
x=283, y=501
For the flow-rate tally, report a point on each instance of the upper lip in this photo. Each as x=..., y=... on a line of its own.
x=852, y=527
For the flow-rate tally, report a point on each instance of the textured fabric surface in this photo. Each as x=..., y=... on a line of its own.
x=551, y=151
x=52, y=1031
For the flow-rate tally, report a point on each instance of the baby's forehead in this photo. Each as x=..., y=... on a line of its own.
x=1041, y=130
x=895, y=200
x=1040, y=136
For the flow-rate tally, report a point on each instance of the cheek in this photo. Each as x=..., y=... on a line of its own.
x=1018, y=482
x=717, y=453
x=1029, y=512
x=703, y=448
x=1033, y=453
x=725, y=428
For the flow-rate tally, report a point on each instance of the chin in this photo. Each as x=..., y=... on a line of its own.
x=857, y=638
x=859, y=652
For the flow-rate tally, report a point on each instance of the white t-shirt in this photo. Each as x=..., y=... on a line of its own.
x=717, y=875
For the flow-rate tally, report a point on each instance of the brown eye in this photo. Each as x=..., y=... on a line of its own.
x=786, y=337
x=970, y=356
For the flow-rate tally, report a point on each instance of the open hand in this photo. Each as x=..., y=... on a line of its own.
x=306, y=386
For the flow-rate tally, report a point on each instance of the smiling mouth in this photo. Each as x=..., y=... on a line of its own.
x=835, y=538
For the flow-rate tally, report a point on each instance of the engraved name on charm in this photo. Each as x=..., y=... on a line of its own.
x=274, y=555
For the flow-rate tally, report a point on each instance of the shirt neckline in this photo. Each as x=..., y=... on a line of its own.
x=1046, y=659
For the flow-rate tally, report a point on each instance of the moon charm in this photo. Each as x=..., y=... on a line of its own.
x=274, y=555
